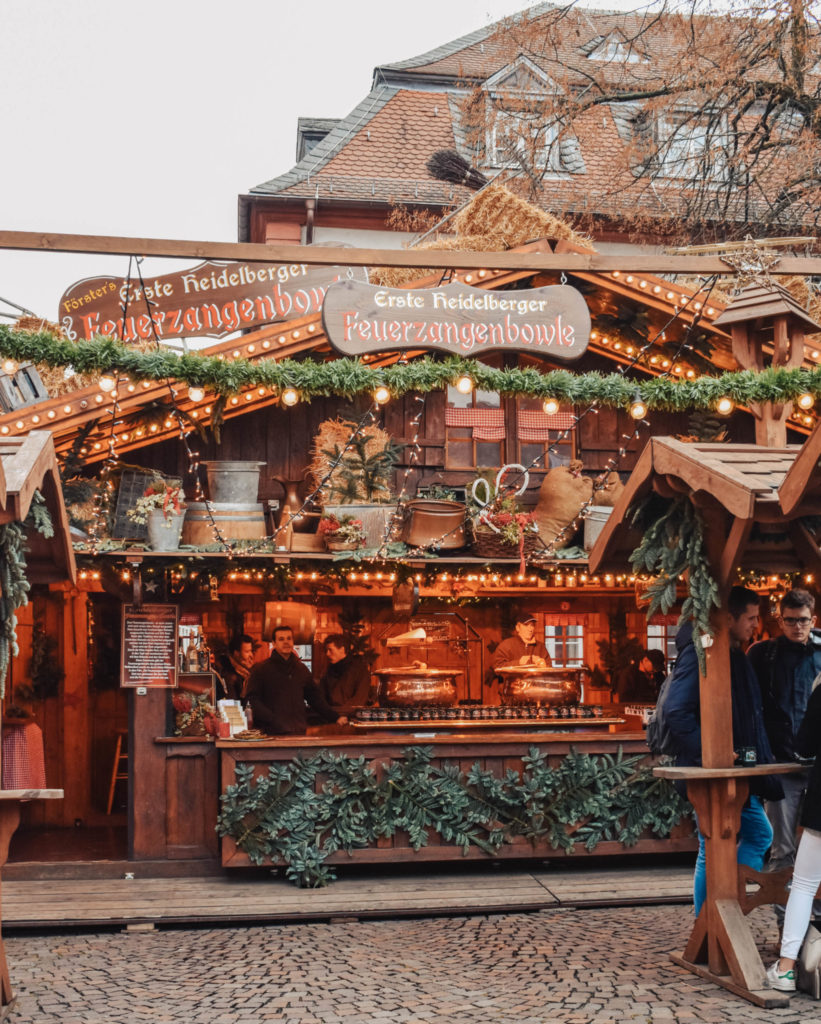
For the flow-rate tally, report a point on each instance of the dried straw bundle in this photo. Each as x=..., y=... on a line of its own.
x=395, y=277
x=499, y=212
x=329, y=441
x=55, y=379
x=494, y=220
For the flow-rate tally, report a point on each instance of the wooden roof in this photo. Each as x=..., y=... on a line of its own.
x=802, y=483
x=743, y=480
x=28, y=464
x=67, y=414
x=765, y=301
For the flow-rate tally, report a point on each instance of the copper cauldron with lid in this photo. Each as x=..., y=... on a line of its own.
x=535, y=684
x=407, y=687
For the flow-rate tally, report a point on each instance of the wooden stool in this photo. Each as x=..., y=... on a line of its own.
x=119, y=770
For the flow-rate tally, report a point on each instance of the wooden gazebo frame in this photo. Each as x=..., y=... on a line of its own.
x=752, y=501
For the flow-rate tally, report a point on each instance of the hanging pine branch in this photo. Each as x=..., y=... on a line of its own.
x=672, y=547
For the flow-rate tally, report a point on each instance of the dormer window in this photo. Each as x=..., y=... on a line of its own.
x=690, y=144
x=516, y=137
x=614, y=49
x=520, y=131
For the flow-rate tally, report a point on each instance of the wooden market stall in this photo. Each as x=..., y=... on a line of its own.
x=755, y=505
x=29, y=474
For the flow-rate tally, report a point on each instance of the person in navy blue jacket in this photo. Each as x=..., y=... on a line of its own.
x=683, y=716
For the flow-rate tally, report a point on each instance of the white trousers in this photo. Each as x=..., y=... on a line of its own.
x=805, y=882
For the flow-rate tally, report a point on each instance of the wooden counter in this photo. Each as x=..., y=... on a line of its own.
x=498, y=752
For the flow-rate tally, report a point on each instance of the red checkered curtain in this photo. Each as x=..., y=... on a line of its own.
x=487, y=424
x=24, y=765
x=537, y=426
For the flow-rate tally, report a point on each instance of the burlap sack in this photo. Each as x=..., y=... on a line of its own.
x=563, y=493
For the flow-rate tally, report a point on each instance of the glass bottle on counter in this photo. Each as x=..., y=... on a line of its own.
x=204, y=656
x=192, y=661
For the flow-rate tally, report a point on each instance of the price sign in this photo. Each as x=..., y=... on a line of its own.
x=149, y=645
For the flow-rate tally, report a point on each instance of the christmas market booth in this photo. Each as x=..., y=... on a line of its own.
x=355, y=472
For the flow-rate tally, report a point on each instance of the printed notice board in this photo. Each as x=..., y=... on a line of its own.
x=149, y=648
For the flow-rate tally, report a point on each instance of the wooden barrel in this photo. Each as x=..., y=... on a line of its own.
x=240, y=521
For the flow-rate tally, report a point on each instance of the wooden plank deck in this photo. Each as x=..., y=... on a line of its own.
x=107, y=902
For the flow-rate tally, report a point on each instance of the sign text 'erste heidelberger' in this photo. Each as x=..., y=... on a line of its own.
x=360, y=318
x=213, y=298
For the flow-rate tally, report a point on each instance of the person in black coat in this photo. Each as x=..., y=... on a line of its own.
x=279, y=687
x=683, y=715
x=807, y=875
x=346, y=682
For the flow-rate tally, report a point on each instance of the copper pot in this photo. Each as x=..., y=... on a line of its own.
x=415, y=687
x=532, y=684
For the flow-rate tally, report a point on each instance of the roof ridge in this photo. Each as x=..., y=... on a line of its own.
x=326, y=149
x=462, y=42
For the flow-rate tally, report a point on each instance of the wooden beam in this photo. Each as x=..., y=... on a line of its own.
x=639, y=260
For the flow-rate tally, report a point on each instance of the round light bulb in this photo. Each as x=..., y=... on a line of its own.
x=550, y=406
x=638, y=410
x=464, y=385
x=805, y=401
x=724, y=406
x=196, y=394
x=10, y=367
x=107, y=383
x=290, y=396
x=381, y=395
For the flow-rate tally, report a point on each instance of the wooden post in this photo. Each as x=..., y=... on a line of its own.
x=74, y=705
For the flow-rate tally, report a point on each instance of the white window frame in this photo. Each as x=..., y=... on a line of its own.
x=541, y=148
x=682, y=138
x=565, y=644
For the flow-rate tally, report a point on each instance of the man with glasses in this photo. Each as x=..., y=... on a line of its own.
x=786, y=668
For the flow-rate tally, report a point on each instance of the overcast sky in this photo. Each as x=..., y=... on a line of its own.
x=148, y=119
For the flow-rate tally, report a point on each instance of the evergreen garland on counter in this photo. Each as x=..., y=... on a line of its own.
x=348, y=377
x=304, y=811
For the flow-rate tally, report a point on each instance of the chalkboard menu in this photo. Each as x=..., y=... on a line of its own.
x=149, y=648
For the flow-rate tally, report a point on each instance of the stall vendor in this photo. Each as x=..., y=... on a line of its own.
x=234, y=667
x=522, y=648
x=347, y=681
x=279, y=687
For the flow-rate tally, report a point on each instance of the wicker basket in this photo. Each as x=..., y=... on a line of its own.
x=488, y=544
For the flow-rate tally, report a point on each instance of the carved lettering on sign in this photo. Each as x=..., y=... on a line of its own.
x=210, y=299
x=553, y=321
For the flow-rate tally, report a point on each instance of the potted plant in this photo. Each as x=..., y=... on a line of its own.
x=162, y=508
x=342, y=533
x=353, y=467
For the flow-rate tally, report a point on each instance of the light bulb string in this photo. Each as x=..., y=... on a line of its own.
x=194, y=465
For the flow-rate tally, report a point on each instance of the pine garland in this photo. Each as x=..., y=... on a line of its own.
x=672, y=545
x=14, y=585
x=350, y=377
x=302, y=812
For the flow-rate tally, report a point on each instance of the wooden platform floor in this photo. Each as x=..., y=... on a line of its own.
x=230, y=900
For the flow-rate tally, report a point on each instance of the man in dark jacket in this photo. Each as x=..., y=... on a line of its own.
x=683, y=716
x=346, y=682
x=278, y=688
x=785, y=668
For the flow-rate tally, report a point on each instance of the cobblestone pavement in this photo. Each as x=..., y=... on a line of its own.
x=566, y=966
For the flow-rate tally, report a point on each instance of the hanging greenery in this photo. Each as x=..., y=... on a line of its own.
x=289, y=815
x=14, y=586
x=350, y=377
x=672, y=545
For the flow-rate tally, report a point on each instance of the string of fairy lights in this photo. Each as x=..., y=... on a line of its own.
x=201, y=372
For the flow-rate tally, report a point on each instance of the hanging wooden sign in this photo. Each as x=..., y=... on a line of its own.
x=210, y=299
x=553, y=321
